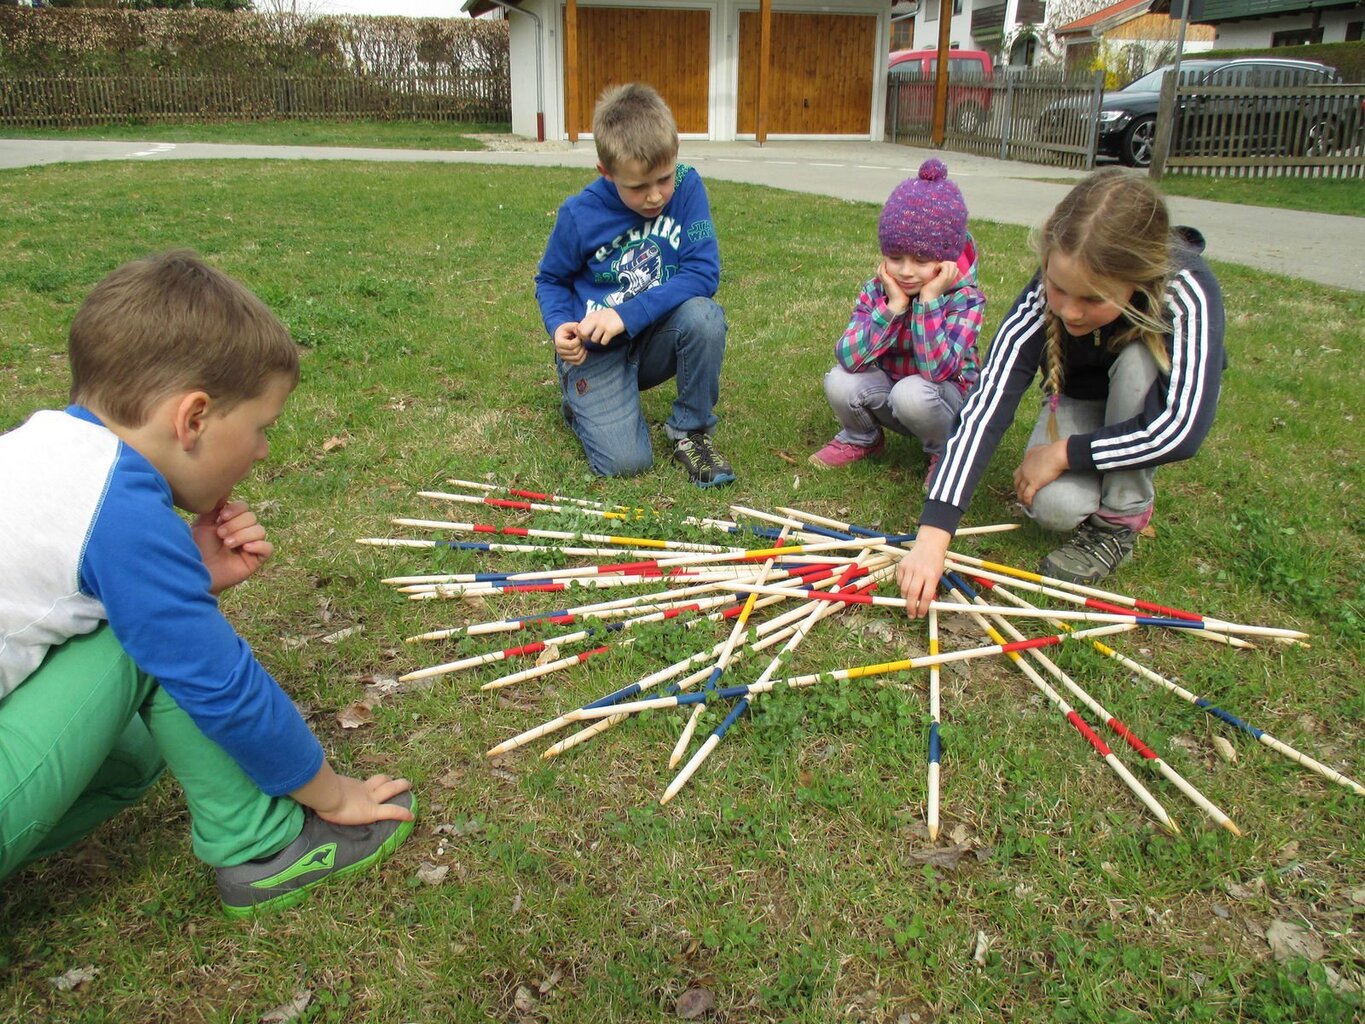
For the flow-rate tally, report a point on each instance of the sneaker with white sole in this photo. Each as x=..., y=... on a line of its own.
x=321, y=852
x=705, y=466
x=838, y=454
x=1096, y=549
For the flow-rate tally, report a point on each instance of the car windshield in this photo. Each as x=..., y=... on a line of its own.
x=1151, y=81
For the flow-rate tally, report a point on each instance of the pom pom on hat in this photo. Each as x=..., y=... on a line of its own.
x=925, y=216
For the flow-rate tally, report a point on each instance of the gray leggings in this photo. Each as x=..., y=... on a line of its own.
x=1124, y=496
x=913, y=406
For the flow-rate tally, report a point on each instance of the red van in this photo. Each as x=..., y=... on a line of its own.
x=914, y=104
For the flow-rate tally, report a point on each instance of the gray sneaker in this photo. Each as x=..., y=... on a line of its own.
x=321, y=852
x=1096, y=549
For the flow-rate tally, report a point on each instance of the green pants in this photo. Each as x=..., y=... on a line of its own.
x=88, y=733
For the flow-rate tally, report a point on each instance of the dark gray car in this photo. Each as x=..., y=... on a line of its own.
x=1127, y=118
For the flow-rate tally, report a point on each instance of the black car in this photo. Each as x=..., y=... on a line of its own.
x=1127, y=118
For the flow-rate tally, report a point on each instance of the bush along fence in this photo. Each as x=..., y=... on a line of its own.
x=38, y=102
x=1265, y=130
x=1045, y=115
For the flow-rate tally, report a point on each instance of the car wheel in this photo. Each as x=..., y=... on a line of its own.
x=969, y=119
x=1138, y=142
x=1320, y=138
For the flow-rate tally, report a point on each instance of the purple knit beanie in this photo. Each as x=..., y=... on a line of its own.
x=925, y=216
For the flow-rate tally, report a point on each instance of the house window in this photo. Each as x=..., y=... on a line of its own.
x=1353, y=31
x=931, y=9
x=903, y=34
x=1296, y=37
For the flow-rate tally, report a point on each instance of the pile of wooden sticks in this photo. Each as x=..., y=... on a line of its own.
x=806, y=568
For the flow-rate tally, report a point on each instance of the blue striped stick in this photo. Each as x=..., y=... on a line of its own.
x=816, y=613
x=681, y=746
x=932, y=810
x=1149, y=755
x=1260, y=735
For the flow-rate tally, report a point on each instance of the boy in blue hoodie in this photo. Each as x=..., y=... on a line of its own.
x=626, y=290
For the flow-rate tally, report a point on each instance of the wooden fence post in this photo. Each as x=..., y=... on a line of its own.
x=1165, y=126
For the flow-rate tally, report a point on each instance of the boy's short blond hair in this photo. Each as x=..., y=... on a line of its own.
x=169, y=323
x=632, y=122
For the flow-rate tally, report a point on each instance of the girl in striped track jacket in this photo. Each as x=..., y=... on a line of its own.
x=1125, y=322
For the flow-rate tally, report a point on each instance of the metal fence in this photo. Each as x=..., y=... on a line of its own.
x=83, y=100
x=1040, y=114
x=1270, y=130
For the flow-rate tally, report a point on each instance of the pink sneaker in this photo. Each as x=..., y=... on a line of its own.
x=838, y=454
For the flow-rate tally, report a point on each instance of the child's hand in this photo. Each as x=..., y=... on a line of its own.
x=1042, y=464
x=919, y=571
x=948, y=275
x=896, y=299
x=568, y=345
x=343, y=800
x=601, y=325
x=232, y=544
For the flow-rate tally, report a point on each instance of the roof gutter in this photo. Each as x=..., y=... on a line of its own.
x=540, y=65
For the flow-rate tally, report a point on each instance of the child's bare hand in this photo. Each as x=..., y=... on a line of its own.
x=601, y=325
x=1042, y=464
x=896, y=299
x=362, y=802
x=568, y=345
x=919, y=571
x=948, y=274
x=232, y=543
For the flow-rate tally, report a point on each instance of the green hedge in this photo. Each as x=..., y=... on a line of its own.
x=48, y=41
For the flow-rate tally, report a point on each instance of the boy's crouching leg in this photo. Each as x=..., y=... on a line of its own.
x=321, y=852
x=601, y=403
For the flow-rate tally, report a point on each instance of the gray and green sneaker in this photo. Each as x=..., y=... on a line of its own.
x=321, y=852
x=1096, y=549
x=705, y=466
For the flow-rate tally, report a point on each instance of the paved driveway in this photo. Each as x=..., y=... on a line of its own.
x=1313, y=246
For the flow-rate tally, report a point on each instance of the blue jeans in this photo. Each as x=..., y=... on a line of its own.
x=602, y=394
x=914, y=406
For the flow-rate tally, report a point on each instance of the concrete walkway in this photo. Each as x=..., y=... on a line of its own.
x=1319, y=247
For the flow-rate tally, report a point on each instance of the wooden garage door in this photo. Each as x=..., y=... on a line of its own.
x=669, y=49
x=820, y=82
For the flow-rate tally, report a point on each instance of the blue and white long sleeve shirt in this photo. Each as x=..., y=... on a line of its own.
x=602, y=254
x=92, y=535
x=1176, y=416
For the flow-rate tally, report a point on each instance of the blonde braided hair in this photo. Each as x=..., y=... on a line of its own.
x=1116, y=225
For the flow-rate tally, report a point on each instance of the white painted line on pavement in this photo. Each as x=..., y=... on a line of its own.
x=160, y=147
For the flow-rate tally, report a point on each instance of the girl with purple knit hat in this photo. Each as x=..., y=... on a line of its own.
x=909, y=355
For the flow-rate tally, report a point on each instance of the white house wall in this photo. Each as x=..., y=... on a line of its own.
x=1245, y=34
x=722, y=103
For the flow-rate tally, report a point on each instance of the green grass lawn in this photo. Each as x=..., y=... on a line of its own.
x=364, y=134
x=1344, y=196
x=793, y=878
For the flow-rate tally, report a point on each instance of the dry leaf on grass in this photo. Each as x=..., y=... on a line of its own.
x=432, y=874
x=696, y=1002
x=74, y=978
x=342, y=634
x=556, y=976
x=551, y=653
x=290, y=1010
x=1287, y=941
x=1225, y=749
x=355, y=715
x=983, y=945
x=524, y=1001
x=334, y=442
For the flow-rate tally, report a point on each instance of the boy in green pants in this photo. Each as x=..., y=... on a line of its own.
x=114, y=657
